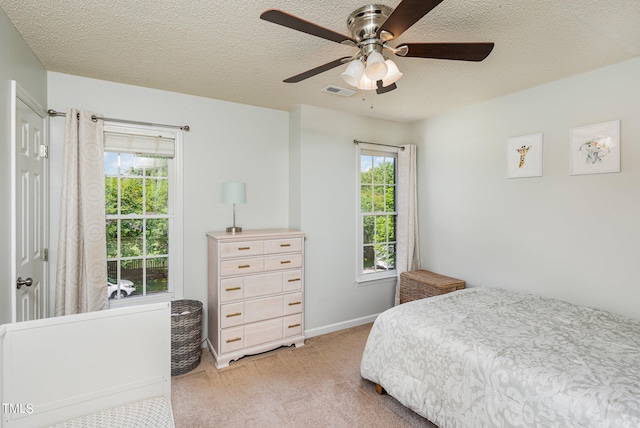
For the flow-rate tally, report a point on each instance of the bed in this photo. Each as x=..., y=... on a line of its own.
x=487, y=357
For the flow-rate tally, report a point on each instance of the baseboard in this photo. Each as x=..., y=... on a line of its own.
x=321, y=330
x=209, y=346
x=340, y=326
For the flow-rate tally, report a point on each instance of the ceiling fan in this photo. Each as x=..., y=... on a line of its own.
x=372, y=27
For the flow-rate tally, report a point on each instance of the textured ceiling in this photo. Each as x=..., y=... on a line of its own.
x=223, y=50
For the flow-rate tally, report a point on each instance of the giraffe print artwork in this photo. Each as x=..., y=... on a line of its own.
x=523, y=153
x=524, y=156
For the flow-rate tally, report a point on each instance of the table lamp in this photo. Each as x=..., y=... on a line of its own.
x=234, y=193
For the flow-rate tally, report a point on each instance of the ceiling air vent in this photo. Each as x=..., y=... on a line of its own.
x=338, y=91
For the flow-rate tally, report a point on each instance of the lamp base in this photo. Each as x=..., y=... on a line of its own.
x=234, y=229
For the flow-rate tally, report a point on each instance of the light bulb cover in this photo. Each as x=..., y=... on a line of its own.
x=367, y=84
x=353, y=73
x=393, y=74
x=376, y=68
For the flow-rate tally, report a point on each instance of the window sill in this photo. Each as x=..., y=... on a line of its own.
x=141, y=300
x=378, y=279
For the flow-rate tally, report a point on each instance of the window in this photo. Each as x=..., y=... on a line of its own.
x=377, y=212
x=143, y=212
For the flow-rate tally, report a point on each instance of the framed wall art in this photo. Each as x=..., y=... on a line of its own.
x=595, y=149
x=524, y=156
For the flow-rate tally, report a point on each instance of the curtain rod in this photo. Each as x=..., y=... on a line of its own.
x=131, y=122
x=378, y=144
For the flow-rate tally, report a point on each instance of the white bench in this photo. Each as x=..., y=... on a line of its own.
x=105, y=368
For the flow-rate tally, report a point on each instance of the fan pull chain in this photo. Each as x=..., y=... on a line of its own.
x=364, y=100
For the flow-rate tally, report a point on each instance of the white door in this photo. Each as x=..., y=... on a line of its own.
x=30, y=187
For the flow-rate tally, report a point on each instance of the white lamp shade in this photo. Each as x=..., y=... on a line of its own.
x=234, y=193
x=367, y=84
x=393, y=74
x=353, y=73
x=376, y=68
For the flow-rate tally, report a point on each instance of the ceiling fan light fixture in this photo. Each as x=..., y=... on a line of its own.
x=393, y=74
x=354, y=72
x=376, y=68
x=371, y=27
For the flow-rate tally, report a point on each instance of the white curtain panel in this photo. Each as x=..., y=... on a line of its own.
x=407, y=234
x=81, y=275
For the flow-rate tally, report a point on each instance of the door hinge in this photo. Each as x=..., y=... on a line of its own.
x=44, y=151
x=45, y=255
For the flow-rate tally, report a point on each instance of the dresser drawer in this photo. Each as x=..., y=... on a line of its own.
x=231, y=289
x=231, y=339
x=251, y=286
x=263, y=309
x=276, y=246
x=241, y=249
x=292, y=303
x=241, y=266
x=232, y=314
x=261, y=285
x=285, y=261
x=292, y=280
x=262, y=332
x=292, y=325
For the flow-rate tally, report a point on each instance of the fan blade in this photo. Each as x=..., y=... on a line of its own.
x=384, y=89
x=314, y=71
x=456, y=51
x=290, y=21
x=407, y=13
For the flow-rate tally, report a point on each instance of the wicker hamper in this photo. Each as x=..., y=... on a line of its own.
x=418, y=284
x=186, y=335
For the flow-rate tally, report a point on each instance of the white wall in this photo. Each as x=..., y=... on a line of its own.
x=227, y=142
x=571, y=237
x=322, y=146
x=17, y=62
x=576, y=238
x=313, y=191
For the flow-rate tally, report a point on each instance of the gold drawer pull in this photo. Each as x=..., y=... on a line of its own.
x=285, y=245
x=234, y=340
x=237, y=314
x=284, y=262
x=292, y=304
x=294, y=325
x=294, y=279
x=243, y=266
x=243, y=248
x=233, y=288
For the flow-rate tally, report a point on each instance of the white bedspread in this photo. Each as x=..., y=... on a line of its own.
x=485, y=357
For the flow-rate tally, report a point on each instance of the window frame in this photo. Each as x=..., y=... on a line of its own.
x=175, y=289
x=363, y=278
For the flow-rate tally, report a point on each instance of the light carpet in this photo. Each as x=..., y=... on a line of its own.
x=316, y=385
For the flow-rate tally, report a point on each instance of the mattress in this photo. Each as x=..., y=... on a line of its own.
x=487, y=357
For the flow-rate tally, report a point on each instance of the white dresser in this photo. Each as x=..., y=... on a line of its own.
x=256, y=292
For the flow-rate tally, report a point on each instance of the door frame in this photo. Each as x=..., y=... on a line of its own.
x=19, y=93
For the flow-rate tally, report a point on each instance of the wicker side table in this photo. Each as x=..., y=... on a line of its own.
x=418, y=284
